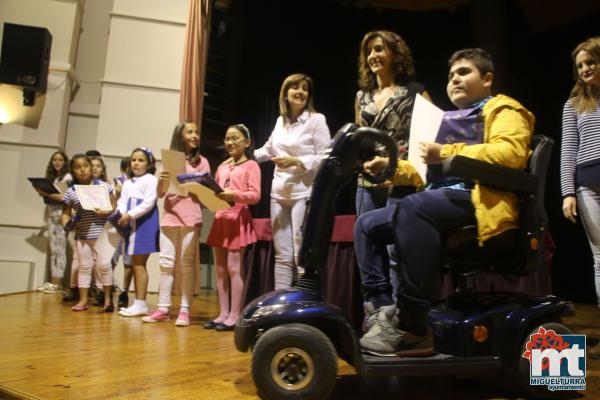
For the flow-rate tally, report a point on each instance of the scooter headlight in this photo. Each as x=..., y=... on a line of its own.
x=266, y=310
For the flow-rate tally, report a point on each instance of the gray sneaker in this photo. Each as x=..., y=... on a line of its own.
x=383, y=335
x=370, y=316
x=384, y=338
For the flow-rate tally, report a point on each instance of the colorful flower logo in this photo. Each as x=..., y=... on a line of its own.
x=544, y=339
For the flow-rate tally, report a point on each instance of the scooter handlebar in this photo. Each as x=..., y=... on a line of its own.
x=369, y=137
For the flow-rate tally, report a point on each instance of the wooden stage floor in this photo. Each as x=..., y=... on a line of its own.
x=50, y=352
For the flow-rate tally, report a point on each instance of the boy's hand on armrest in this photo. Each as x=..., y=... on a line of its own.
x=430, y=152
x=376, y=166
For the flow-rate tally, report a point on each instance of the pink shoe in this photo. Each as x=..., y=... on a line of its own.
x=157, y=316
x=183, y=319
x=79, y=308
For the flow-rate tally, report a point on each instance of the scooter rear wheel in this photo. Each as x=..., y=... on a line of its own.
x=294, y=361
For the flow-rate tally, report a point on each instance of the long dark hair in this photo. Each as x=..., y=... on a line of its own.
x=584, y=96
x=403, y=65
x=194, y=156
x=51, y=173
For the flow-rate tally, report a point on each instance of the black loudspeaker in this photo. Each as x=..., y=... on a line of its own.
x=25, y=57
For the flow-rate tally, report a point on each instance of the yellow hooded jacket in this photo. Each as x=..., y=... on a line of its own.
x=508, y=127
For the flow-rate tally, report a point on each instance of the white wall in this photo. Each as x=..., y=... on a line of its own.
x=140, y=94
x=24, y=151
x=126, y=56
x=140, y=88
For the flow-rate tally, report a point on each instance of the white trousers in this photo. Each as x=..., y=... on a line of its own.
x=90, y=258
x=177, y=243
x=287, y=217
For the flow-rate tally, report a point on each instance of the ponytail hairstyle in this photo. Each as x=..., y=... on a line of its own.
x=51, y=173
x=583, y=96
x=194, y=156
x=243, y=129
x=149, y=156
x=75, y=158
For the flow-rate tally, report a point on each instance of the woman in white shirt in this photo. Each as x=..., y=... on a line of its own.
x=296, y=146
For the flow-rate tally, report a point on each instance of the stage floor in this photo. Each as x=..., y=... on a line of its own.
x=50, y=352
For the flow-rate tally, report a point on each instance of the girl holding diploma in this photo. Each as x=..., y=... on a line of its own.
x=88, y=228
x=137, y=205
x=58, y=171
x=232, y=231
x=179, y=229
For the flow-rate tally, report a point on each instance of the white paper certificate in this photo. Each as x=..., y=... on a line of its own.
x=174, y=162
x=424, y=126
x=93, y=197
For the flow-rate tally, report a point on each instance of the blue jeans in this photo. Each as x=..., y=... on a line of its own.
x=415, y=225
x=373, y=199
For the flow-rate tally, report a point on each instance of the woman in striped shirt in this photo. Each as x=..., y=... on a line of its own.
x=580, y=149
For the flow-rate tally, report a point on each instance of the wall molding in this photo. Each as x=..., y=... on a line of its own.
x=17, y=226
x=35, y=145
x=147, y=19
x=80, y=3
x=84, y=110
x=139, y=85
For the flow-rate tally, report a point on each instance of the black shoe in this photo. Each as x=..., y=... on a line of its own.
x=108, y=308
x=221, y=327
x=123, y=301
x=99, y=299
x=211, y=325
x=71, y=295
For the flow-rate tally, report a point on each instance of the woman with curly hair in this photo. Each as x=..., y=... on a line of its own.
x=386, y=78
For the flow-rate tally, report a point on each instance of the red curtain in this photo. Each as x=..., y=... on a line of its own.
x=193, y=75
x=194, y=61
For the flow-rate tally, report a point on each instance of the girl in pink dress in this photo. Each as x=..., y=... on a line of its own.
x=232, y=231
x=179, y=229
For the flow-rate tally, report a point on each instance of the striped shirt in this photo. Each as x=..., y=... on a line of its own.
x=580, y=149
x=89, y=226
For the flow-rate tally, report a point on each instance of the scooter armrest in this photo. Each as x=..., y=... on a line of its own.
x=491, y=175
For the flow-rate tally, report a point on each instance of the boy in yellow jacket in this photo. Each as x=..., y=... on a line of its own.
x=495, y=129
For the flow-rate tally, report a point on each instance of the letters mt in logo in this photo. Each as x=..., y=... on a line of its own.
x=556, y=360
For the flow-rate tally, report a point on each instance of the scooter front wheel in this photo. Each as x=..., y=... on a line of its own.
x=294, y=361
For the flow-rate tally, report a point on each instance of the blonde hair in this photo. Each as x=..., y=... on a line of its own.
x=293, y=79
x=583, y=96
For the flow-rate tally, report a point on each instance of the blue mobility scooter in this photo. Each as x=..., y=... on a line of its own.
x=296, y=336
